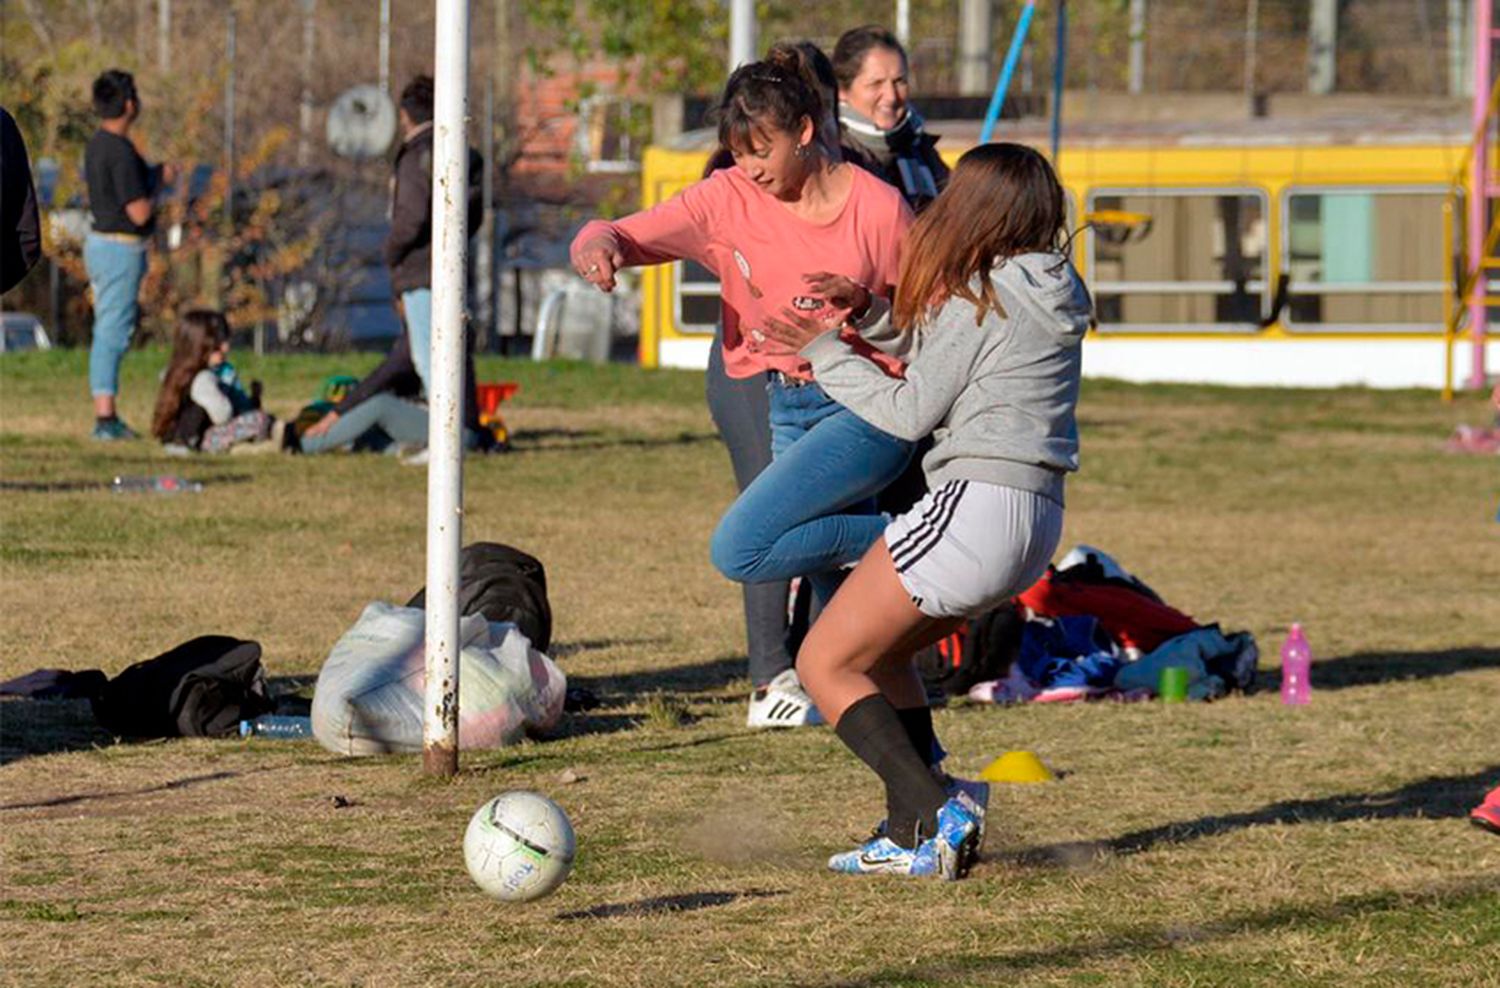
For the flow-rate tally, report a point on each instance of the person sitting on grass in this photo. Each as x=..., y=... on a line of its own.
x=200, y=406
x=400, y=421
x=989, y=315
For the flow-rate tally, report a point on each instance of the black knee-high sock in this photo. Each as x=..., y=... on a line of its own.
x=872, y=730
x=917, y=722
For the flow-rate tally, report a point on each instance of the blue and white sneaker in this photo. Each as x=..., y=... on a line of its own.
x=957, y=837
x=977, y=791
x=882, y=856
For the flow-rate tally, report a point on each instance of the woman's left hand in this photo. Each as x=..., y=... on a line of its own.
x=795, y=330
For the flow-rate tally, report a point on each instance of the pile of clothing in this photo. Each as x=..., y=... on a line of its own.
x=1087, y=629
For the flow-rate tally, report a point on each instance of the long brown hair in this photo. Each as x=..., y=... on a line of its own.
x=199, y=333
x=1002, y=200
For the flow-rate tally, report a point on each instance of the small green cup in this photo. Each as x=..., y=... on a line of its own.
x=1173, y=684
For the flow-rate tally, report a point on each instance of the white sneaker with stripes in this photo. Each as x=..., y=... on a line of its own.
x=782, y=703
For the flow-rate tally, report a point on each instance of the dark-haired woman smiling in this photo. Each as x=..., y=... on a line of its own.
x=882, y=131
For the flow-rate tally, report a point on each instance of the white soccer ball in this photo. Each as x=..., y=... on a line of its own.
x=519, y=846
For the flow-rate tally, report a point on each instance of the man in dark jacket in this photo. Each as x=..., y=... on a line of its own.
x=20, y=228
x=408, y=254
x=408, y=248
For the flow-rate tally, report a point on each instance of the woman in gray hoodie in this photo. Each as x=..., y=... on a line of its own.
x=989, y=317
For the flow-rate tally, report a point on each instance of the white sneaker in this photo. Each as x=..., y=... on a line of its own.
x=783, y=703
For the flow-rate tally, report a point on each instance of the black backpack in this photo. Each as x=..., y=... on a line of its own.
x=980, y=651
x=201, y=688
x=504, y=584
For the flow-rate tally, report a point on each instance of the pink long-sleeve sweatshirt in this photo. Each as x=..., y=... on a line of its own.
x=760, y=251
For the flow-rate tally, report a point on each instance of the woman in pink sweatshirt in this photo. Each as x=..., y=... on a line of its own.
x=787, y=208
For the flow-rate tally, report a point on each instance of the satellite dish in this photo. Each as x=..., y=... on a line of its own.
x=361, y=123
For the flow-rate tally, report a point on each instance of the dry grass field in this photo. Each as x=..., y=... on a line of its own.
x=1233, y=843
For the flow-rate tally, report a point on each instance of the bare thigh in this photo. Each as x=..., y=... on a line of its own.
x=863, y=641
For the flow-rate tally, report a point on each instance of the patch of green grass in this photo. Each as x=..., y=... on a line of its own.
x=44, y=912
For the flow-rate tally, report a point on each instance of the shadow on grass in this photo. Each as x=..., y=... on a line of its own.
x=168, y=786
x=561, y=650
x=664, y=904
x=1372, y=668
x=697, y=677
x=1439, y=797
x=524, y=441
x=42, y=727
x=1159, y=940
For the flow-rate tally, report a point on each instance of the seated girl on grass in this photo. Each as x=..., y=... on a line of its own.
x=201, y=406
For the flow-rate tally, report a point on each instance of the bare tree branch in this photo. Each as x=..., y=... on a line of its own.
x=38, y=24
x=95, y=28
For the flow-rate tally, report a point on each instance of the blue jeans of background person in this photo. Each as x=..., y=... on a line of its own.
x=812, y=510
x=115, y=269
x=417, y=304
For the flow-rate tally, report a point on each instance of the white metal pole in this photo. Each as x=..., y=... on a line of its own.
x=385, y=46
x=164, y=36
x=903, y=23
x=445, y=403
x=1322, y=47
x=1137, y=83
x=304, y=70
x=1252, y=53
x=742, y=41
x=976, y=43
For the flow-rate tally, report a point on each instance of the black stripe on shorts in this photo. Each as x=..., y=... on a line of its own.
x=913, y=551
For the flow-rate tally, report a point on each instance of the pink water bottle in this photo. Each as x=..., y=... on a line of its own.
x=1296, y=668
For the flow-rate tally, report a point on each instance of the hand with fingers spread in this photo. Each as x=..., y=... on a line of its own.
x=839, y=291
x=597, y=261
x=795, y=331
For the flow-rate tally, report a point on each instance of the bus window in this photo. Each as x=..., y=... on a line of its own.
x=697, y=293
x=1177, y=260
x=1366, y=260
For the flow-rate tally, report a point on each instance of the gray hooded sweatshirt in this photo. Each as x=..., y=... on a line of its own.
x=997, y=397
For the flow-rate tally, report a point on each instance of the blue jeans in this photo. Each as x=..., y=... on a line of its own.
x=417, y=304
x=812, y=510
x=115, y=271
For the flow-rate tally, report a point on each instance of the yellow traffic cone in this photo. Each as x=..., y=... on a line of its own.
x=1018, y=767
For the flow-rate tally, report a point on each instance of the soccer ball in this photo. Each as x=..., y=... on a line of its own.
x=519, y=846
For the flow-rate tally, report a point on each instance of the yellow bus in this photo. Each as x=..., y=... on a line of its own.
x=1311, y=260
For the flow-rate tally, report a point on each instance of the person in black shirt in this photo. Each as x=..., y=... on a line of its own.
x=121, y=186
x=20, y=230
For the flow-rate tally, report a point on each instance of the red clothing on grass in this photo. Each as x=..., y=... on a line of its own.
x=1132, y=618
x=759, y=250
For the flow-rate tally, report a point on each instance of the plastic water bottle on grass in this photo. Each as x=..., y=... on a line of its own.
x=1296, y=668
x=159, y=484
x=277, y=726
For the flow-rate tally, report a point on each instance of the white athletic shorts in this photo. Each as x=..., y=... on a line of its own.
x=968, y=545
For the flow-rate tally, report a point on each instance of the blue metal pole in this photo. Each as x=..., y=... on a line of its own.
x=1011, y=58
x=1059, y=70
